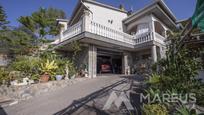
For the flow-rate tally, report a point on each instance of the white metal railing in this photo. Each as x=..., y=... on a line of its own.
x=72, y=31
x=108, y=32
x=142, y=38
x=159, y=38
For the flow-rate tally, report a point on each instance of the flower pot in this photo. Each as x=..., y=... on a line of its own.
x=44, y=78
x=58, y=77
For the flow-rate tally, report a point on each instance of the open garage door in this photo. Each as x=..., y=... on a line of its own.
x=109, y=62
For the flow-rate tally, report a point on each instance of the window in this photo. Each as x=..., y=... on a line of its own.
x=110, y=21
x=142, y=28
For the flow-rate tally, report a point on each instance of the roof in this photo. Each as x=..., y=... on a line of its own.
x=158, y=7
x=62, y=20
x=104, y=5
x=80, y=4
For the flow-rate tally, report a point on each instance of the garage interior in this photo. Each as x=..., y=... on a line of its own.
x=109, y=62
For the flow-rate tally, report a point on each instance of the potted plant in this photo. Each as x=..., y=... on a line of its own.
x=59, y=74
x=47, y=69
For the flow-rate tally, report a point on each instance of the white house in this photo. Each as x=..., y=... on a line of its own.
x=112, y=39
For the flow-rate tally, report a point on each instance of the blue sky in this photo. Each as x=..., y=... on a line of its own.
x=15, y=8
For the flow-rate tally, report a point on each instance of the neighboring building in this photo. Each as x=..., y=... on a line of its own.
x=114, y=41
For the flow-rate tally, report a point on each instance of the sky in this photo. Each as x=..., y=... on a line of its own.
x=182, y=9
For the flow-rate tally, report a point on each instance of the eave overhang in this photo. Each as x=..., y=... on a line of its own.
x=158, y=9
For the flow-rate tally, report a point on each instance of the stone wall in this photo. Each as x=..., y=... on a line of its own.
x=28, y=91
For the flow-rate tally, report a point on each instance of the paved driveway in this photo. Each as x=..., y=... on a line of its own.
x=82, y=98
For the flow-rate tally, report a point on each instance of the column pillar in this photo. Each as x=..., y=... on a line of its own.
x=163, y=51
x=92, y=61
x=61, y=35
x=152, y=27
x=126, y=63
x=86, y=21
x=154, y=53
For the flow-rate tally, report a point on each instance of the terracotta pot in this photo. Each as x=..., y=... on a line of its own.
x=44, y=78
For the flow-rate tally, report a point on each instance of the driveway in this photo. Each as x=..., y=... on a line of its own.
x=84, y=98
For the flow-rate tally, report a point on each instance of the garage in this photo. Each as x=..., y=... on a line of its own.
x=109, y=62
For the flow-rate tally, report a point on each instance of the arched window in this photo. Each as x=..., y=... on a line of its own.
x=159, y=28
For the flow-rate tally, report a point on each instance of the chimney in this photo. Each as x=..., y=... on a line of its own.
x=121, y=7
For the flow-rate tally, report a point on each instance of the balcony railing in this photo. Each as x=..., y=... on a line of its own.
x=142, y=38
x=72, y=31
x=107, y=32
x=159, y=38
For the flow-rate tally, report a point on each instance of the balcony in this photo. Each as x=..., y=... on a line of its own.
x=107, y=32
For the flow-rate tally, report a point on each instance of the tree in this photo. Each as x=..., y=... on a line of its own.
x=17, y=41
x=3, y=17
x=43, y=22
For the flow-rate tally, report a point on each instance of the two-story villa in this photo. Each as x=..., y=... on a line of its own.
x=114, y=40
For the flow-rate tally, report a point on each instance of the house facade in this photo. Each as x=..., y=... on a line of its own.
x=114, y=40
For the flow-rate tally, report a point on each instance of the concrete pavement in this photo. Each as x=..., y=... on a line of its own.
x=82, y=98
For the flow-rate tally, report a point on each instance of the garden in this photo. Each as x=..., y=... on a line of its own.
x=47, y=66
x=28, y=63
x=174, y=87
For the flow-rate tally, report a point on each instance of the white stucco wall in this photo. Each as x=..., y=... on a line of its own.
x=102, y=15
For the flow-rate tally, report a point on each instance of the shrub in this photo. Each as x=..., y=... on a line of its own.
x=182, y=110
x=62, y=63
x=48, y=67
x=4, y=76
x=178, y=71
x=154, y=109
x=28, y=65
x=154, y=79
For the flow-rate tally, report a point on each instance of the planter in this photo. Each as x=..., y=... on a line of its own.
x=44, y=78
x=58, y=77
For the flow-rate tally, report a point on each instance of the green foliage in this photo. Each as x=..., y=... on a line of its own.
x=154, y=109
x=4, y=76
x=48, y=67
x=154, y=79
x=178, y=71
x=3, y=17
x=27, y=65
x=48, y=63
x=182, y=110
x=76, y=47
x=17, y=41
x=62, y=62
x=43, y=21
